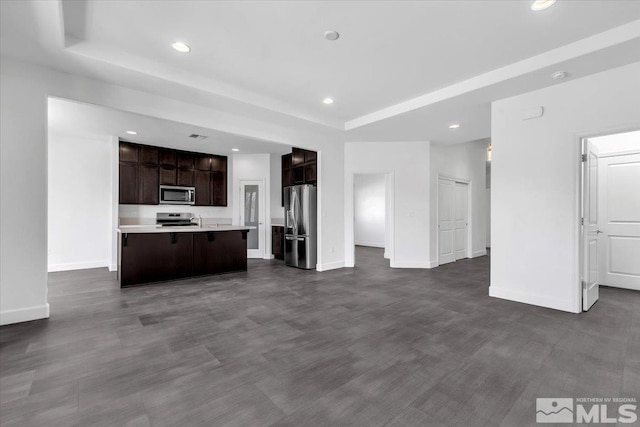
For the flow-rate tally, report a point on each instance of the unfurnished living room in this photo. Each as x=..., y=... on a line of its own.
x=319, y=213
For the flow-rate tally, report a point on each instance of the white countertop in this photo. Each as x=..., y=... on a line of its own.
x=179, y=229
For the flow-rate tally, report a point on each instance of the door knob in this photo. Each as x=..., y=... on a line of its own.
x=598, y=231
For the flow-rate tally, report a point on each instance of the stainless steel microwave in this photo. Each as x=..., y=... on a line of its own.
x=173, y=195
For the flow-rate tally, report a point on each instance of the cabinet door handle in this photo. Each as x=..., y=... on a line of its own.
x=174, y=237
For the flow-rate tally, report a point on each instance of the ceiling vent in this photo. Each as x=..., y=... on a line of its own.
x=198, y=137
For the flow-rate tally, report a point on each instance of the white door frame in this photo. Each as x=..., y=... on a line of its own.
x=580, y=144
x=262, y=240
x=469, y=212
x=350, y=247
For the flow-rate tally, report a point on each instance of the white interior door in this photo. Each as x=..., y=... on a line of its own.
x=446, y=223
x=252, y=215
x=590, y=289
x=619, y=221
x=461, y=212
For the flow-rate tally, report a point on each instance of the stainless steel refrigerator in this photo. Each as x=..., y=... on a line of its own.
x=300, y=239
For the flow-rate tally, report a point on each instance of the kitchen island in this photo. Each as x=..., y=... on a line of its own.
x=148, y=254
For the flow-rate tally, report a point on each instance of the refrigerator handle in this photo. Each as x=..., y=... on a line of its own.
x=289, y=219
x=294, y=197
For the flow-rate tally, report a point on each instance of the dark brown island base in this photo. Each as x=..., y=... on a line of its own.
x=155, y=254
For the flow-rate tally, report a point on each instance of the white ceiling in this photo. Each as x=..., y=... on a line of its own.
x=74, y=118
x=401, y=70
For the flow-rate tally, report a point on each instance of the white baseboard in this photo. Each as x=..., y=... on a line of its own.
x=330, y=266
x=433, y=264
x=77, y=266
x=386, y=255
x=410, y=264
x=113, y=267
x=476, y=254
x=271, y=256
x=370, y=244
x=532, y=299
x=24, y=314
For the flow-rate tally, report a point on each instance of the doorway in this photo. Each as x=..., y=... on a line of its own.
x=610, y=214
x=453, y=220
x=369, y=225
x=372, y=208
x=252, y=215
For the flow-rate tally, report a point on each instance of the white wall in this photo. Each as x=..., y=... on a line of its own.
x=369, y=210
x=626, y=142
x=467, y=162
x=24, y=89
x=535, y=182
x=277, y=211
x=79, y=228
x=408, y=164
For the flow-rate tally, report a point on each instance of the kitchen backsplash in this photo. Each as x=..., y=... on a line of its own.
x=143, y=214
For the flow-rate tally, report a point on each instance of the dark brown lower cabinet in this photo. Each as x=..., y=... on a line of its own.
x=153, y=257
x=219, y=252
x=156, y=257
x=277, y=242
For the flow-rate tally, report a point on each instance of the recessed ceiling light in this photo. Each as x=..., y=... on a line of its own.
x=235, y=149
x=538, y=5
x=331, y=35
x=559, y=75
x=181, y=47
x=454, y=126
x=132, y=132
x=327, y=101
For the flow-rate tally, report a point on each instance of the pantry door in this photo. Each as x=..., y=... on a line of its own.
x=252, y=215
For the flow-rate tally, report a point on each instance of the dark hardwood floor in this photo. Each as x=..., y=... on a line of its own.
x=369, y=346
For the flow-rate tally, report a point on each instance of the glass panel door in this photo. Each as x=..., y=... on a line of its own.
x=252, y=215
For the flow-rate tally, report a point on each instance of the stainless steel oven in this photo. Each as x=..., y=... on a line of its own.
x=174, y=195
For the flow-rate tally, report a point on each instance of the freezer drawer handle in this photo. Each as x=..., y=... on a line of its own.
x=300, y=239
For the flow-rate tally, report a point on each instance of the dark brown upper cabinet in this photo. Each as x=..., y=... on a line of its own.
x=219, y=164
x=148, y=185
x=185, y=160
x=298, y=175
x=186, y=178
x=168, y=176
x=310, y=156
x=148, y=155
x=218, y=188
x=299, y=167
x=203, y=163
x=310, y=173
x=297, y=156
x=203, y=188
x=168, y=158
x=129, y=188
x=144, y=168
x=128, y=152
